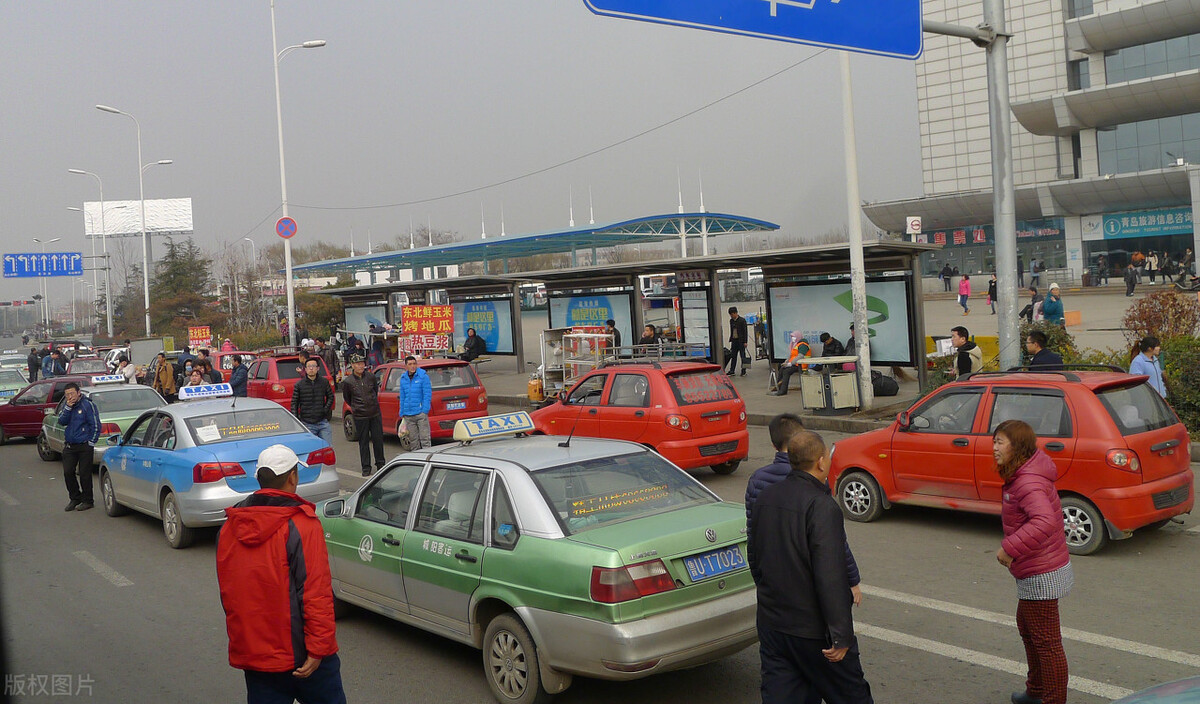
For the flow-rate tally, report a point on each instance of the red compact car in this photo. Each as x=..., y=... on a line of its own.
x=23, y=415
x=275, y=377
x=1122, y=454
x=688, y=412
x=457, y=394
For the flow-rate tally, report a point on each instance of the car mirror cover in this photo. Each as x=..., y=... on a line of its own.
x=335, y=508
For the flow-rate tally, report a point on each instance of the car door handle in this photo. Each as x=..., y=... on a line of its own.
x=465, y=557
x=639, y=414
x=592, y=411
x=1055, y=446
x=961, y=442
x=389, y=540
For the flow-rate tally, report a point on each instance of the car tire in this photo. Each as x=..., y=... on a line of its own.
x=727, y=467
x=348, y=428
x=43, y=449
x=109, y=497
x=510, y=662
x=3, y=435
x=859, y=496
x=178, y=535
x=1084, y=526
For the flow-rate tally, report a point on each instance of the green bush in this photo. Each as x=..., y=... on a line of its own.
x=1163, y=314
x=1181, y=371
x=1057, y=340
x=1110, y=356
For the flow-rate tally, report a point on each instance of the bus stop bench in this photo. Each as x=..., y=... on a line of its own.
x=478, y=361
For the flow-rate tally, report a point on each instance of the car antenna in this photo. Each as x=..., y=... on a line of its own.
x=567, y=443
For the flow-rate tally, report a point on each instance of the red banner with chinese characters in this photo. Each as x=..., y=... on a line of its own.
x=427, y=320
x=199, y=336
x=421, y=345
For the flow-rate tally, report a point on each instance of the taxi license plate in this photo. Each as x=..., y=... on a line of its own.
x=714, y=563
x=10, y=392
x=456, y=405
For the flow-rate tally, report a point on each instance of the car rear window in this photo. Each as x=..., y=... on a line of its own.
x=599, y=492
x=126, y=400
x=242, y=425
x=1137, y=408
x=701, y=387
x=452, y=377
x=83, y=366
x=289, y=368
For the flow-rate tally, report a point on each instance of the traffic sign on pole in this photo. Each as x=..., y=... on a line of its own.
x=39, y=264
x=285, y=228
x=912, y=225
x=882, y=27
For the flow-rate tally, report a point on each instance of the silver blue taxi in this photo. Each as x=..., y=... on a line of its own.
x=555, y=557
x=186, y=462
x=11, y=381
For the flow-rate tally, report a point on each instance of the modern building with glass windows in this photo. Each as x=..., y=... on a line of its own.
x=1106, y=135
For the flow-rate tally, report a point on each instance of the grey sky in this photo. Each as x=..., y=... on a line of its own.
x=419, y=99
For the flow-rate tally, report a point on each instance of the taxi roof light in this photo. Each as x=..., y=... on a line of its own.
x=108, y=379
x=192, y=393
x=515, y=423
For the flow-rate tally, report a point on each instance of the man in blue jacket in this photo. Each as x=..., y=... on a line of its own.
x=416, y=398
x=54, y=365
x=237, y=376
x=82, y=423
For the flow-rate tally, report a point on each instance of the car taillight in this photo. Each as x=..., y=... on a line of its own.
x=206, y=472
x=1122, y=459
x=482, y=398
x=109, y=428
x=612, y=585
x=278, y=388
x=677, y=421
x=742, y=416
x=322, y=456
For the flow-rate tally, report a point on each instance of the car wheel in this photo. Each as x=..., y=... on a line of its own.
x=178, y=535
x=511, y=663
x=859, y=496
x=727, y=467
x=3, y=435
x=1084, y=526
x=44, y=451
x=109, y=497
x=348, y=428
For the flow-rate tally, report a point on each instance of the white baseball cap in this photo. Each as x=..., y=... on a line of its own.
x=279, y=459
x=1054, y=285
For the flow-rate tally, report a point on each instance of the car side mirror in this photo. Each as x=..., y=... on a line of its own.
x=903, y=420
x=334, y=508
x=114, y=439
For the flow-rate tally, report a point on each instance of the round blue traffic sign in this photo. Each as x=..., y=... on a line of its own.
x=285, y=228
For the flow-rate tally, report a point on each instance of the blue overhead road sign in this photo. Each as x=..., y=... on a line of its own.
x=884, y=27
x=35, y=264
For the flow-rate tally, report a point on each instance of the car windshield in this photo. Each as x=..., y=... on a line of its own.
x=83, y=366
x=241, y=424
x=599, y=492
x=702, y=387
x=126, y=400
x=11, y=376
x=1137, y=409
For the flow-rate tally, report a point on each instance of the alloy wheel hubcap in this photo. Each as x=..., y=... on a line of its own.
x=508, y=665
x=857, y=498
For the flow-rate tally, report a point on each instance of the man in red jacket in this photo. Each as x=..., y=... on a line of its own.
x=273, y=569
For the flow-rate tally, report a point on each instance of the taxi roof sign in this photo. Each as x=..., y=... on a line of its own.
x=108, y=379
x=470, y=429
x=191, y=393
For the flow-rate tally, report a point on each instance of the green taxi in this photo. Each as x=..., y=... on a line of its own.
x=117, y=402
x=11, y=381
x=555, y=557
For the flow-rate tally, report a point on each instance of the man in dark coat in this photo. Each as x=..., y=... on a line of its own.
x=1039, y=356
x=737, y=341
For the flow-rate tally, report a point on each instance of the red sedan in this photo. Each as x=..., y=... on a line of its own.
x=274, y=377
x=457, y=394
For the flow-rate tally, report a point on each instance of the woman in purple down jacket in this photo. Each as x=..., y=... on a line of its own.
x=1035, y=551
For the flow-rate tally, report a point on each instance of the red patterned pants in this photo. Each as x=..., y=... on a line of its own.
x=1037, y=622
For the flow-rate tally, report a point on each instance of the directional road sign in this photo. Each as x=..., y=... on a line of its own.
x=35, y=264
x=285, y=228
x=884, y=27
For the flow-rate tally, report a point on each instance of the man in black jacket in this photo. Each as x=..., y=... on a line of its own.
x=1039, y=356
x=737, y=340
x=360, y=391
x=796, y=547
x=312, y=401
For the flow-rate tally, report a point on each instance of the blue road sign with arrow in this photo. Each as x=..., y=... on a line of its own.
x=35, y=264
x=883, y=27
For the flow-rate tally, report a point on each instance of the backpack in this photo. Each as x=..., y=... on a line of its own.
x=883, y=385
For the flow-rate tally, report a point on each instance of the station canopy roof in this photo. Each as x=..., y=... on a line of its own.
x=656, y=228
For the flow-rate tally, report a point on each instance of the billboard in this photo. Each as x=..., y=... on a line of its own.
x=360, y=318
x=492, y=320
x=592, y=311
x=825, y=306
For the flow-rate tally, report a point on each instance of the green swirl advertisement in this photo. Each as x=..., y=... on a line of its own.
x=812, y=309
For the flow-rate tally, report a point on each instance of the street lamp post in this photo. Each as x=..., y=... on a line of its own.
x=142, y=199
x=42, y=287
x=253, y=278
x=287, y=243
x=103, y=244
x=91, y=229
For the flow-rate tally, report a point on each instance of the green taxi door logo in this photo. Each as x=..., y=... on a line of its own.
x=874, y=305
x=365, y=548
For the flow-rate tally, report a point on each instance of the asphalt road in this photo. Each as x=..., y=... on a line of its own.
x=105, y=603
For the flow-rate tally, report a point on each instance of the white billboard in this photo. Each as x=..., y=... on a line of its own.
x=813, y=308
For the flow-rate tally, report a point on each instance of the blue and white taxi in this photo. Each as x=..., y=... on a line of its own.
x=186, y=462
x=554, y=557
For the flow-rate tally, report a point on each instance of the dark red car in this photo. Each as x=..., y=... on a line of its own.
x=1122, y=454
x=688, y=412
x=274, y=377
x=22, y=416
x=457, y=394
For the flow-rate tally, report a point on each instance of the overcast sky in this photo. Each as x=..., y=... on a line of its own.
x=418, y=100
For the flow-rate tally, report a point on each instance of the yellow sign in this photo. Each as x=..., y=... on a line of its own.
x=618, y=499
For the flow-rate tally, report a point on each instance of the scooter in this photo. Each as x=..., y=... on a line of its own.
x=1192, y=285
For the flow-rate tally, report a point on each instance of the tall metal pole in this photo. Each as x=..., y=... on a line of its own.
x=1003, y=187
x=858, y=270
x=104, y=248
x=287, y=243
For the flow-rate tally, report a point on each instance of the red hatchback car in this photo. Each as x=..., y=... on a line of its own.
x=688, y=412
x=457, y=394
x=274, y=377
x=1122, y=454
x=23, y=415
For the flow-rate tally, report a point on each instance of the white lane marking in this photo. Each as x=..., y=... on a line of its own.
x=102, y=569
x=1128, y=646
x=974, y=657
x=8, y=500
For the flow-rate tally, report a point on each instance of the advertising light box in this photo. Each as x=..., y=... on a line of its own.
x=593, y=311
x=492, y=320
x=816, y=307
